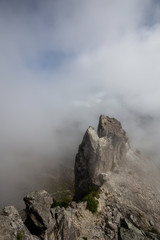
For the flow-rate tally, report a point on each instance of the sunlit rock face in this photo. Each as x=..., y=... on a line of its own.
x=99, y=152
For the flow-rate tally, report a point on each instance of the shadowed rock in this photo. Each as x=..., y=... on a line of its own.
x=12, y=226
x=39, y=219
x=46, y=222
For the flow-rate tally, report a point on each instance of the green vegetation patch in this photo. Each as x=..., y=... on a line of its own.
x=85, y=238
x=64, y=203
x=92, y=203
x=92, y=193
x=20, y=235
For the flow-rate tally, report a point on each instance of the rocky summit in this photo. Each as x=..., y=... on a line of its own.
x=99, y=153
x=117, y=195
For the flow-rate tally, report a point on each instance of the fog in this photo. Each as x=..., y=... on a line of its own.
x=62, y=64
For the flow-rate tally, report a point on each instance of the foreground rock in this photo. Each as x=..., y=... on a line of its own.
x=12, y=226
x=74, y=222
x=39, y=219
x=47, y=222
x=128, y=197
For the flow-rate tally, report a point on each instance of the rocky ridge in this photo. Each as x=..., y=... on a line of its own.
x=128, y=202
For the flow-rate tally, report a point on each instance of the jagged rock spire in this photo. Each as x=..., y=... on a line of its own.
x=99, y=153
x=109, y=127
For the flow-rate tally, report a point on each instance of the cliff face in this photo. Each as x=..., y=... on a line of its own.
x=128, y=198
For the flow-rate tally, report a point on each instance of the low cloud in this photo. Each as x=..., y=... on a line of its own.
x=63, y=64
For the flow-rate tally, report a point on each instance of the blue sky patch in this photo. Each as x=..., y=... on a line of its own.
x=48, y=60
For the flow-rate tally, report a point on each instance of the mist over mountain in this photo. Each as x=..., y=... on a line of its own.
x=115, y=195
x=62, y=64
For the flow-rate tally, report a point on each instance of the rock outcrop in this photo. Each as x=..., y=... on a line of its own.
x=128, y=200
x=46, y=222
x=12, y=226
x=99, y=153
x=39, y=220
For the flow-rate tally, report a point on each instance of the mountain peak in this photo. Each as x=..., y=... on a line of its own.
x=109, y=127
x=99, y=153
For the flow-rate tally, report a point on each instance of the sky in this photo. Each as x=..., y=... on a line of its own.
x=62, y=64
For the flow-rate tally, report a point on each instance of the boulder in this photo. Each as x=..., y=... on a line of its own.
x=12, y=226
x=128, y=231
x=46, y=222
x=64, y=227
x=38, y=209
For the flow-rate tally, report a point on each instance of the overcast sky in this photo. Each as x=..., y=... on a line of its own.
x=65, y=62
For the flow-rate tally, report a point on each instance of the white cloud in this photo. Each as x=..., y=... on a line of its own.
x=111, y=66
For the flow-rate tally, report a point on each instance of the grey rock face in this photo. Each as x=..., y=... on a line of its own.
x=110, y=127
x=99, y=153
x=128, y=231
x=12, y=226
x=39, y=219
x=46, y=222
x=64, y=227
x=126, y=234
